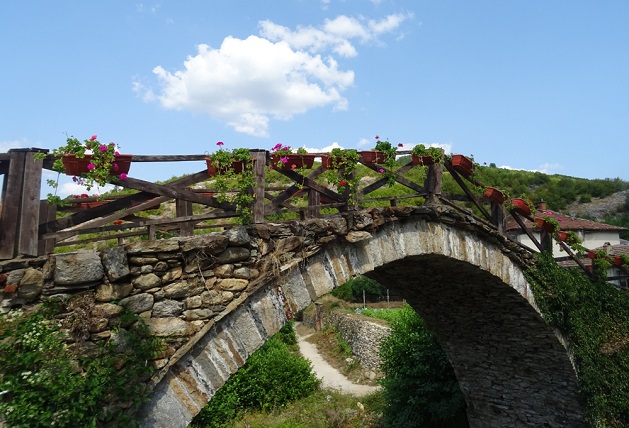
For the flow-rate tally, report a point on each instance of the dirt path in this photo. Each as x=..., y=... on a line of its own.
x=330, y=377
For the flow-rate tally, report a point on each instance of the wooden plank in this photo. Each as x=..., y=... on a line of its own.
x=398, y=178
x=259, y=171
x=184, y=209
x=467, y=191
x=145, y=223
x=29, y=212
x=314, y=200
x=11, y=204
x=47, y=213
x=120, y=204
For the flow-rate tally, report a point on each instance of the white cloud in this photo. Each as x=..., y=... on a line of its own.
x=550, y=168
x=246, y=83
x=11, y=144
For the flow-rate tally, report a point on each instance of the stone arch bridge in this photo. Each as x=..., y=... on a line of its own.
x=217, y=298
x=464, y=278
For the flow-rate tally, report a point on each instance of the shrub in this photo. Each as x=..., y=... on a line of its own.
x=271, y=377
x=595, y=318
x=44, y=384
x=420, y=387
x=353, y=289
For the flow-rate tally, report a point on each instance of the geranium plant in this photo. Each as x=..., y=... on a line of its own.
x=103, y=167
x=234, y=169
x=389, y=151
x=343, y=164
x=436, y=153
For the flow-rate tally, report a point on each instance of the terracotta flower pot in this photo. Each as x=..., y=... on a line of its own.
x=78, y=166
x=237, y=167
x=544, y=225
x=617, y=261
x=494, y=194
x=562, y=236
x=87, y=205
x=591, y=254
x=372, y=157
x=463, y=165
x=422, y=160
x=295, y=161
x=521, y=206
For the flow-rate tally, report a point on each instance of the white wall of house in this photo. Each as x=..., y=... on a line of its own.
x=591, y=240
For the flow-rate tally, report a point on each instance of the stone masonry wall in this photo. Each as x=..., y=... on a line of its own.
x=361, y=333
x=363, y=336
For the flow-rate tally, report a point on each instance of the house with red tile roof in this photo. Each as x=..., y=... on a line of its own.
x=594, y=235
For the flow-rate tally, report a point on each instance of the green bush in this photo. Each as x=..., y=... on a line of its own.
x=420, y=387
x=271, y=378
x=352, y=290
x=595, y=318
x=44, y=384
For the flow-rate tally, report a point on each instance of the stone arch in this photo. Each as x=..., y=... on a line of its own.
x=468, y=284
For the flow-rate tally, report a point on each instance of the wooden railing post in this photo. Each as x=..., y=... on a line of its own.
x=259, y=171
x=19, y=220
x=433, y=181
x=183, y=209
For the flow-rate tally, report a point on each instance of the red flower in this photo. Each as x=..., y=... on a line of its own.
x=343, y=183
x=400, y=145
x=93, y=137
x=377, y=137
x=118, y=222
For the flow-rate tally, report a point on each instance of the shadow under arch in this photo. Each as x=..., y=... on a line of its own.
x=511, y=367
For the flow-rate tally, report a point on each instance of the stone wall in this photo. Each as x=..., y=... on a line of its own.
x=362, y=335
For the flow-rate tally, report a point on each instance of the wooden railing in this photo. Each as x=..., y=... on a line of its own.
x=30, y=227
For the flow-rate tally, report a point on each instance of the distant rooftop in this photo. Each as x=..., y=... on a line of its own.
x=566, y=222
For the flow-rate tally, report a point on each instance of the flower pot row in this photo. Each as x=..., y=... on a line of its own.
x=615, y=260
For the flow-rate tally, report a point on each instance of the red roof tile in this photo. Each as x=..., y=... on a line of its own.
x=565, y=223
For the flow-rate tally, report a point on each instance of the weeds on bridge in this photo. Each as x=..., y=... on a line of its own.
x=45, y=384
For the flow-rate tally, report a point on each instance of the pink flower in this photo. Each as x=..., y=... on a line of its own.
x=293, y=166
x=87, y=146
x=102, y=148
x=220, y=143
x=377, y=137
x=277, y=147
x=91, y=166
x=93, y=137
x=123, y=176
x=381, y=170
x=116, y=153
x=284, y=159
x=270, y=166
x=115, y=166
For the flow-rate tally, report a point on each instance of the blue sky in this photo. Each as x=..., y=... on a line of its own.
x=532, y=85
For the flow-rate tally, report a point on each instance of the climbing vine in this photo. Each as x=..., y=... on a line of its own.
x=595, y=318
